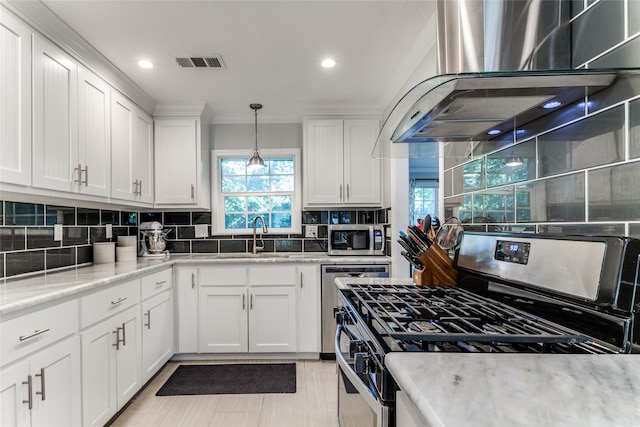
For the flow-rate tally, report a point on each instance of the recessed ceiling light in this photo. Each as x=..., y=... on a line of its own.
x=328, y=63
x=145, y=63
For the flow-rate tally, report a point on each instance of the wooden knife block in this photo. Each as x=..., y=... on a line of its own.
x=438, y=268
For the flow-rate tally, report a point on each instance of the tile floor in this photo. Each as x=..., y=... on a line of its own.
x=313, y=405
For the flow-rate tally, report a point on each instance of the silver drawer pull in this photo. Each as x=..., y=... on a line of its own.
x=161, y=283
x=35, y=334
x=118, y=301
x=148, y=324
x=41, y=375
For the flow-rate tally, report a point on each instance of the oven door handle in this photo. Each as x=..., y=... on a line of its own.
x=367, y=393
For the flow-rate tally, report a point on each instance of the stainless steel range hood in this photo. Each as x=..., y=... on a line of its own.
x=503, y=64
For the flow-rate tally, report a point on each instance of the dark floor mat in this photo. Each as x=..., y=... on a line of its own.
x=247, y=378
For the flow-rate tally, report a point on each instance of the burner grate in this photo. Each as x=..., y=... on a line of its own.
x=449, y=314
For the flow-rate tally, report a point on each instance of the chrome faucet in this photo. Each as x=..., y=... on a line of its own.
x=264, y=230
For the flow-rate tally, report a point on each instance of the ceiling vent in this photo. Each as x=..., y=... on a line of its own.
x=211, y=61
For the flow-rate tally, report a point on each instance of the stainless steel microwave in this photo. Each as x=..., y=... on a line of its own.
x=356, y=239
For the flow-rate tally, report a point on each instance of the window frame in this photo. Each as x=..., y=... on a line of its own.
x=217, y=196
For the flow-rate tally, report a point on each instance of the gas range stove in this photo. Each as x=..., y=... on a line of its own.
x=516, y=293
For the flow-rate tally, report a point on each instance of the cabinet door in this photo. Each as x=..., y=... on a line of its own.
x=309, y=309
x=55, y=118
x=157, y=333
x=98, y=374
x=15, y=102
x=272, y=319
x=94, y=138
x=222, y=325
x=176, y=168
x=142, y=153
x=323, y=160
x=128, y=355
x=361, y=171
x=187, y=310
x=122, y=119
x=56, y=385
x=13, y=412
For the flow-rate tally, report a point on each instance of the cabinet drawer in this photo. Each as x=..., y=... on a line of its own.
x=104, y=303
x=224, y=275
x=26, y=334
x=155, y=283
x=273, y=275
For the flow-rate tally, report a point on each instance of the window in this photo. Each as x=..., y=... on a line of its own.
x=240, y=194
x=424, y=199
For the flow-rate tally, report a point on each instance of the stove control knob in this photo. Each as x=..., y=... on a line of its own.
x=342, y=318
x=361, y=363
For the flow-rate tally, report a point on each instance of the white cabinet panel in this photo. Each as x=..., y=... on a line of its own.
x=13, y=412
x=55, y=118
x=94, y=139
x=132, y=151
x=157, y=333
x=338, y=167
x=223, y=319
x=176, y=162
x=272, y=319
x=187, y=310
x=309, y=337
x=15, y=102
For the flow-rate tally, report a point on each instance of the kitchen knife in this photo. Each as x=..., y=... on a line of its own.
x=419, y=237
x=412, y=260
x=413, y=248
x=428, y=229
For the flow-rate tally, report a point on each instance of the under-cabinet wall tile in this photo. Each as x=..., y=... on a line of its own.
x=24, y=262
x=41, y=237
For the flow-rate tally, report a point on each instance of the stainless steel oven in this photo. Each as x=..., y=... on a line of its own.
x=359, y=402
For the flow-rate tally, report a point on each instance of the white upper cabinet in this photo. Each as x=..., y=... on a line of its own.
x=94, y=139
x=131, y=150
x=15, y=102
x=182, y=156
x=338, y=167
x=55, y=118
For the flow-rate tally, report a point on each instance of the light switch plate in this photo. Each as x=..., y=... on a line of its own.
x=201, y=230
x=311, y=231
x=109, y=231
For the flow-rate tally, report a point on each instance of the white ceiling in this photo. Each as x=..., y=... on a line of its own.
x=272, y=51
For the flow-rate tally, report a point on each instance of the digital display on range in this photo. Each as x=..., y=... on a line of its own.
x=509, y=251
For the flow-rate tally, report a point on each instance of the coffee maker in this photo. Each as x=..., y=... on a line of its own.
x=153, y=240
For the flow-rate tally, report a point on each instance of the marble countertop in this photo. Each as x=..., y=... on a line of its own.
x=453, y=390
x=22, y=293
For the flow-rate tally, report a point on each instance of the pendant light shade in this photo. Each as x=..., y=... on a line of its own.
x=255, y=161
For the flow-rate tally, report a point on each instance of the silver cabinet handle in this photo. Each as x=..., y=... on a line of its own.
x=193, y=191
x=124, y=338
x=135, y=187
x=29, y=384
x=243, y=298
x=41, y=393
x=251, y=303
x=118, y=340
x=118, y=301
x=340, y=191
x=140, y=188
x=193, y=281
x=86, y=176
x=301, y=281
x=34, y=334
x=148, y=324
x=348, y=195
x=160, y=283
x=79, y=170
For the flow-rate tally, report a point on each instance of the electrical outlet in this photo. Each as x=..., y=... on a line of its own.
x=311, y=231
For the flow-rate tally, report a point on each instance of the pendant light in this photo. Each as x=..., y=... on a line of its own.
x=255, y=161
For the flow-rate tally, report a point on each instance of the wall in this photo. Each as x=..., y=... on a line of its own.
x=581, y=170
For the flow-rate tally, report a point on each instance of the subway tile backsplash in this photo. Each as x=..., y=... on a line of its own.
x=27, y=244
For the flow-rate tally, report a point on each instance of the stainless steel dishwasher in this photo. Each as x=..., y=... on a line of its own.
x=329, y=296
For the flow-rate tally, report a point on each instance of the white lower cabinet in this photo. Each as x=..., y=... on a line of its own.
x=157, y=333
x=309, y=321
x=110, y=366
x=44, y=388
x=248, y=309
x=186, y=328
